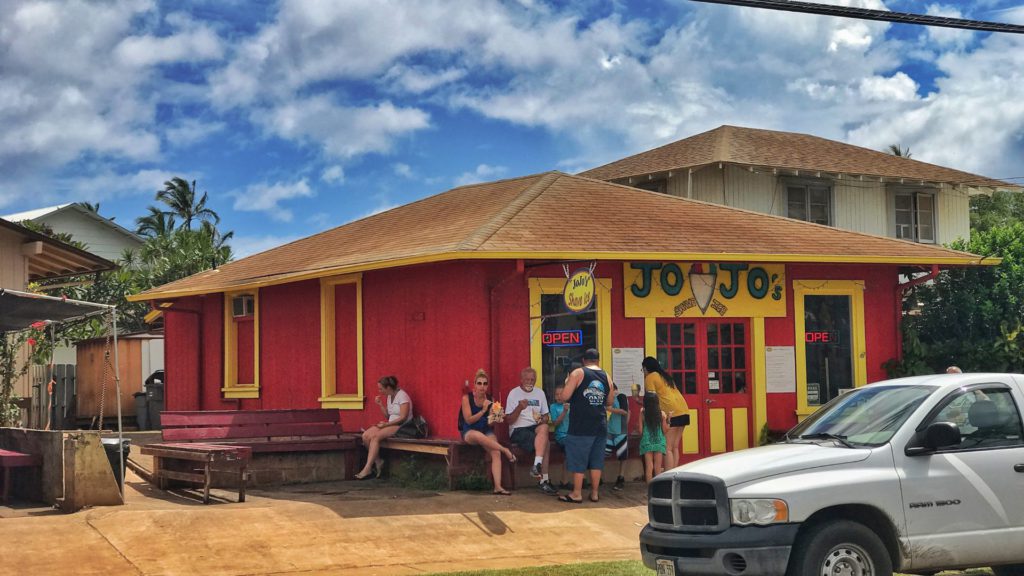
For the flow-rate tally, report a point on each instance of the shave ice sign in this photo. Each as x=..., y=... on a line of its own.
x=704, y=290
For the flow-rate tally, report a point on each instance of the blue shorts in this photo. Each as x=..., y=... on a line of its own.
x=584, y=453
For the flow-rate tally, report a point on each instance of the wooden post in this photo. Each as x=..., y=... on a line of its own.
x=206, y=483
x=243, y=476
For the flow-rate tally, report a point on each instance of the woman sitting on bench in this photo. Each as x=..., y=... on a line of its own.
x=476, y=429
x=398, y=411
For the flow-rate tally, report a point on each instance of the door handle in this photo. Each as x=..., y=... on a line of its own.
x=1018, y=467
x=709, y=401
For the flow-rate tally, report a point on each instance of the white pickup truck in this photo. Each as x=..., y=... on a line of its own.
x=918, y=474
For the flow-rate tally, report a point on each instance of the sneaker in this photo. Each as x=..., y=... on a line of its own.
x=547, y=488
x=535, y=471
x=620, y=483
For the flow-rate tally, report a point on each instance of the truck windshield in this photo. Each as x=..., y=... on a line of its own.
x=863, y=417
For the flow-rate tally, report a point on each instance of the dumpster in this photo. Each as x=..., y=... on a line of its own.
x=117, y=465
x=141, y=410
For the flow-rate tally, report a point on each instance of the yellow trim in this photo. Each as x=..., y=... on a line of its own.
x=691, y=434
x=152, y=316
x=716, y=428
x=760, y=397
x=651, y=337
x=328, y=361
x=603, y=297
x=740, y=429
x=855, y=290
x=233, y=389
x=286, y=277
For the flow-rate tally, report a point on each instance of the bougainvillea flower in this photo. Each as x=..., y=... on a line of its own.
x=31, y=341
x=39, y=325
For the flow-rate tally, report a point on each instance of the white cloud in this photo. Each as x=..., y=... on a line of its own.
x=190, y=130
x=404, y=170
x=481, y=173
x=939, y=37
x=265, y=197
x=192, y=44
x=420, y=79
x=108, y=184
x=243, y=246
x=333, y=174
x=897, y=88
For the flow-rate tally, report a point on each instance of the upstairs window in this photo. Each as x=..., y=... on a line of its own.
x=915, y=216
x=810, y=203
x=660, y=185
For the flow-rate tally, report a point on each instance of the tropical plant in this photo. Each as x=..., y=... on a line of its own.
x=13, y=365
x=180, y=197
x=897, y=150
x=156, y=223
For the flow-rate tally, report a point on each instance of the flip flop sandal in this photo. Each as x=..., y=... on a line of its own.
x=502, y=493
x=567, y=499
x=592, y=499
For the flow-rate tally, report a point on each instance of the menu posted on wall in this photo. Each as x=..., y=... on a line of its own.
x=780, y=368
x=626, y=364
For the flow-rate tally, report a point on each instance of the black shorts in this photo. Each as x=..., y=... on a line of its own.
x=679, y=421
x=524, y=437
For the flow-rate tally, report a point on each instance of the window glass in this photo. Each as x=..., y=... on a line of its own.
x=865, y=416
x=558, y=354
x=809, y=203
x=828, y=350
x=925, y=218
x=986, y=418
x=796, y=207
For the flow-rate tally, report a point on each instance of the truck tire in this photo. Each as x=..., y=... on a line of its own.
x=839, y=547
x=1014, y=570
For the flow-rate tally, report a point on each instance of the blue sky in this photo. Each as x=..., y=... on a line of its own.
x=297, y=116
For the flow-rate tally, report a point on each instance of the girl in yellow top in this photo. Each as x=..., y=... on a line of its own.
x=657, y=381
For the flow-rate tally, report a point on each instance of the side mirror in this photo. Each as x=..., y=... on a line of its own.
x=936, y=436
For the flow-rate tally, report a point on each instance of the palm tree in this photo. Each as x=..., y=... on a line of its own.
x=181, y=199
x=156, y=223
x=897, y=150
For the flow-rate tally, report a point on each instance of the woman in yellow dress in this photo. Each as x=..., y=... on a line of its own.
x=670, y=395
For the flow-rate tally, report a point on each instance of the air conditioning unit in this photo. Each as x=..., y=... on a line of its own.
x=243, y=305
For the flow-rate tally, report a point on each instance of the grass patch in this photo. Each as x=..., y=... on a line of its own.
x=474, y=480
x=418, y=474
x=621, y=568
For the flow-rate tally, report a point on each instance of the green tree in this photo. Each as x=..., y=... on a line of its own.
x=156, y=223
x=180, y=197
x=1001, y=208
x=897, y=150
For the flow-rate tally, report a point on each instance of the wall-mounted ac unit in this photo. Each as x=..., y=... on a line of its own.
x=243, y=305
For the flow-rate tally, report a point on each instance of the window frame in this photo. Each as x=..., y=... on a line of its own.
x=807, y=185
x=958, y=393
x=232, y=388
x=329, y=396
x=659, y=185
x=915, y=214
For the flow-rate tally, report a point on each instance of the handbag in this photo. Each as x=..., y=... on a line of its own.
x=415, y=427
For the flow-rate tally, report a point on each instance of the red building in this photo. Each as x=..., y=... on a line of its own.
x=761, y=318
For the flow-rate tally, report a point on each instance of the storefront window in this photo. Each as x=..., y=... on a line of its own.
x=564, y=337
x=828, y=345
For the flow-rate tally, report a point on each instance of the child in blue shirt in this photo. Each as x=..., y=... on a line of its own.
x=559, y=414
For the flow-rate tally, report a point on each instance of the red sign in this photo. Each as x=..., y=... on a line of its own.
x=562, y=338
x=821, y=337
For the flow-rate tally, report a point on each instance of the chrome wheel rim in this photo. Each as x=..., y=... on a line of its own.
x=847, y=560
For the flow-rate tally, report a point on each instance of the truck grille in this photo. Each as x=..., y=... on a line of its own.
x=686, y=502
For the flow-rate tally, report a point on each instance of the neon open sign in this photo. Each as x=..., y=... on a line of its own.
x=562, y=338
x=821, y=337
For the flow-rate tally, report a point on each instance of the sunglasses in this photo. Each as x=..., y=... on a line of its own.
x=481, y=383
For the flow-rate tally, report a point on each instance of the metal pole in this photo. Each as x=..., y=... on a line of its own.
x=117, y=386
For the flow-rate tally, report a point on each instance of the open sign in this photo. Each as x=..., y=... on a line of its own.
x=821, y=337
x=562, y=338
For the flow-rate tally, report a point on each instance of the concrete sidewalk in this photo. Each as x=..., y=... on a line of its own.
x=342, y=528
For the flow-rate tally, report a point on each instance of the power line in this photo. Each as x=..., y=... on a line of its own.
x=869, y=14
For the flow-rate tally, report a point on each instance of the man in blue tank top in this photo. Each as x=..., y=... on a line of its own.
x=588, y=393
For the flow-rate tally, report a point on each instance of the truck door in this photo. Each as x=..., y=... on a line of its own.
x=965, y=505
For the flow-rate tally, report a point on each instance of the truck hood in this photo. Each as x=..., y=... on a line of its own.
x=756, y=463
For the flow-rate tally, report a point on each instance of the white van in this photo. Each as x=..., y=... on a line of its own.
x=918, y=475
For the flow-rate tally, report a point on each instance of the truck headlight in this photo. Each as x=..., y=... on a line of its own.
x=762, y=511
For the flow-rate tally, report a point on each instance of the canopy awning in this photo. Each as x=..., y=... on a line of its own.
x=19, y=310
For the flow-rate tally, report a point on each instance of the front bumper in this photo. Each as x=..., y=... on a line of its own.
x=739, y=550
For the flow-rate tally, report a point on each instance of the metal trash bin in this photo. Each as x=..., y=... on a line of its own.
x=117, y=466
x=141, y=410
x=155, y=398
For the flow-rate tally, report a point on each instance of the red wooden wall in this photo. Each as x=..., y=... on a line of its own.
x=432, y=326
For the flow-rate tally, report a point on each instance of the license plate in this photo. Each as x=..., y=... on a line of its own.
x=666, y=567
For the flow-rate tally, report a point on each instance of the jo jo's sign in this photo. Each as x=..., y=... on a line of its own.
x=704, y=290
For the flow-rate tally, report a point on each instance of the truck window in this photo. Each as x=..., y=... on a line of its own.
x=866, y=416
x=987, y=418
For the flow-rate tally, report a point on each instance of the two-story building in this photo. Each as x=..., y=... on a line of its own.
x=809, y=178
x=100, y=235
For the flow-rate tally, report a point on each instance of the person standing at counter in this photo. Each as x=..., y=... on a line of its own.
x=670, y=397
x=588, y=393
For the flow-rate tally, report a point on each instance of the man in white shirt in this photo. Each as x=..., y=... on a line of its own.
x=528, y=426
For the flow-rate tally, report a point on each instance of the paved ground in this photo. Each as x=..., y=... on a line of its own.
x=342, y=528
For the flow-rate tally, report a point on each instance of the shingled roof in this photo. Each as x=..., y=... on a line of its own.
x=751, y=147
x=554, y=216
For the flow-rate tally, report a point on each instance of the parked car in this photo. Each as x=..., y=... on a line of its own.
x=918, y=474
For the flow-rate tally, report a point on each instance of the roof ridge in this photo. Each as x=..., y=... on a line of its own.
x=505, y=215
x=723, y=143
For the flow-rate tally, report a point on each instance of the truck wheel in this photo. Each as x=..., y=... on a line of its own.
x=839, y=548
x=1014, y=570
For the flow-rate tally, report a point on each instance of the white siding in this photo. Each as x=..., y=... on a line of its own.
x=99, y=239
x=860, y=205
x=954, y=215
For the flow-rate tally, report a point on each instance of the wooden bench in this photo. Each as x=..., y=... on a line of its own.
x=232, y=436
x=459, y=456
x=10, y=459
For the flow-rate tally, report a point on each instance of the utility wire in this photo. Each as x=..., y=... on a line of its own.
x=869, y=14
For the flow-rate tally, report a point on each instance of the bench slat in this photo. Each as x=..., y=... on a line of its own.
x=246, y=417
x=183, y=476
x=254, y=431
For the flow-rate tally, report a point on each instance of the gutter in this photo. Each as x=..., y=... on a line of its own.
x=901, y=290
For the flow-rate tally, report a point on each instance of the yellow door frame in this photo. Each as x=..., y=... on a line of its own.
x=855, y=290
x=603, y=302
x=329, y=397
x=233, y=389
